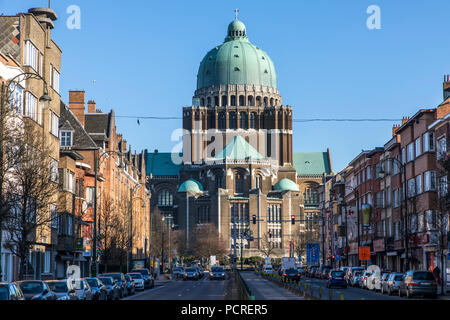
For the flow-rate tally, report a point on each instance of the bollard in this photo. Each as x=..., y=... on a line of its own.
x=304, y=286
x=320, y=292
x=342, y=296
x=312, y=290
x=330, y=293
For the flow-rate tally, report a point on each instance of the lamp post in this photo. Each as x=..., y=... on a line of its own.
x=97, y=160
x=6, y=95
x=132, y=191
x=162, y=243
x=405, y=196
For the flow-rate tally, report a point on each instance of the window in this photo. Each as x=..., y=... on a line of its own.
x=66, y=138
x=311, y=197
x=55, y=79
x=69, y=225
x=165, y=198
x=403, y=156
x=31, y=55
x=69, y=181
x=243, y=122
x=54, y=216
x=203, y=216
x=258, y=182
x=368, y=174
x=253, y=120
x=54, y=124
x=31, y=105
x=388, y=196
x=428, y=142
x=16, y=100
x=411, y=188
x=410, y=152
x=90, y=195
x=418, y=145
x=222, y=121
x=413, y=224
x=47, y=260
x=442, y=147
x=443, y=186
x=233, y=120
x=430, y=220
x=54, y=175
x=419, y=184
x=396, y=196
x=429, y=181
x=219, y=181
x=238, y=183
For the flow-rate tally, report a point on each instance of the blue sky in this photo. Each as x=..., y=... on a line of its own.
x=144, y=57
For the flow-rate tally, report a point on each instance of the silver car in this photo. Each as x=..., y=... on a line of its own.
x=83, y=289
x=62, y=290
x=138, y=280
x=418, y=283
x=392, y=284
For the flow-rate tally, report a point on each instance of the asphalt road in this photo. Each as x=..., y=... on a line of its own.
x=203, y=289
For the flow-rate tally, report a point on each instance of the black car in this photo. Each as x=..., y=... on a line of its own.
x=291, y=274
x=36, y=290
x=191, y=273
x=10, y=291
x=149, y=281
x=99, y=291
x=112, y=289
x=119, y=278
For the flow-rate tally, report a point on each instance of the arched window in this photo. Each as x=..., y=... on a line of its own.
x=216, y=101
x=251, y=102
x=219, y=181
x=243, y=121
x=271, y=102
x=238, y=183
x=209, y=101
x=222, y=121
x=202, y=102
x=258, y=182
x=233, y=120
x=258, y=101
x=241, y=100
x=266, y=101
x=233, y=101
x=224, y=101
x=165, y=198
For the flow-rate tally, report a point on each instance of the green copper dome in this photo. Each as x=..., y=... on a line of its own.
x=236, y=61
x=286, y=184
x=191, y=185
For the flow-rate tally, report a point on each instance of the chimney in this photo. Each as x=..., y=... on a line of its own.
x=91, y=106
x=394, y=129
x=446, y=87
x=76, y=104
x=405, y=120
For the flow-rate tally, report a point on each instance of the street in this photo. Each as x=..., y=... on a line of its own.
x=263, y=289
x=203, y=289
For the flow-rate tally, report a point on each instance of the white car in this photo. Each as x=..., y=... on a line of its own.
x=267, y=268
x=82, y=289
x=138, y=279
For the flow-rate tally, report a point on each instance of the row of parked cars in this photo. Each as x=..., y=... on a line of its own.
x=197, y=272
x=107, y=286
x=409, y=284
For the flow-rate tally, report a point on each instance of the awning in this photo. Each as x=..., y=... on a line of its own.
x=80, y=259
x=66, y=256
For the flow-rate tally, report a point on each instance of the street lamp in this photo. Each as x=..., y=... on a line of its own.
x=162, y=243
x=405, y=217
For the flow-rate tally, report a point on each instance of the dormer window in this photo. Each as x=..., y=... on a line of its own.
x=66, y=138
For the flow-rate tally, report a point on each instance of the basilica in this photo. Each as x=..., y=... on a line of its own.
x=237, y=169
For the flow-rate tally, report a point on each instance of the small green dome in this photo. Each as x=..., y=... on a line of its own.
x=286, y=184
x=236, y=61
x=191, y=185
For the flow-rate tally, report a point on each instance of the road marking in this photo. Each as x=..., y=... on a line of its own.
x=142, y=293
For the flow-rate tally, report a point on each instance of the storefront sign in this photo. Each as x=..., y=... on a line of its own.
x=378, y=245
x=364, y=253
x=366, y=211
x=392, y=254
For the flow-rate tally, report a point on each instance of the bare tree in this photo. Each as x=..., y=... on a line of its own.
x=207, y=242
x=108, y=226
x=266, y=248
x=29, y=188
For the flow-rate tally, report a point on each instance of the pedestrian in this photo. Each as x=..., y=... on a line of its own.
x=437, y=274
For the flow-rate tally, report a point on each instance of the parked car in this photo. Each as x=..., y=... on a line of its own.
x=138, y=278
x=393, y=283
x=119, y=278
x=62, y=290
x=311, y=271
x=384, y=281
x=363, y=279
x=112, y=289
x=336, y=279
x=267, y=268
x=217, y=272
x=302, y=271
x=201, y=272
x=131, y=286
x=325, y=273
x=350, y=274
x=354, y=280
x=178, y=272
x=99, y=291
x=36, y=290
x=149, y=281
x=191, y=274
x=418, y=283
x=291, y=274
x=345, y=269
x=10, y=291
x=376, y=279
x=83, y=289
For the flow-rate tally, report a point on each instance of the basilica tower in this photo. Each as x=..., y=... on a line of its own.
x=237, y=95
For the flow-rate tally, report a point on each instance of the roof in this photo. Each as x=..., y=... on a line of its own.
x=161, y=164
x=191, y=185
x=238, y=149
x=68, y=121
x=99, y=125
x=311, y=162
x=236, y=61
x=286, y=184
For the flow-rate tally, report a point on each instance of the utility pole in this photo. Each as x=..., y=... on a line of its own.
x=94, y=249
